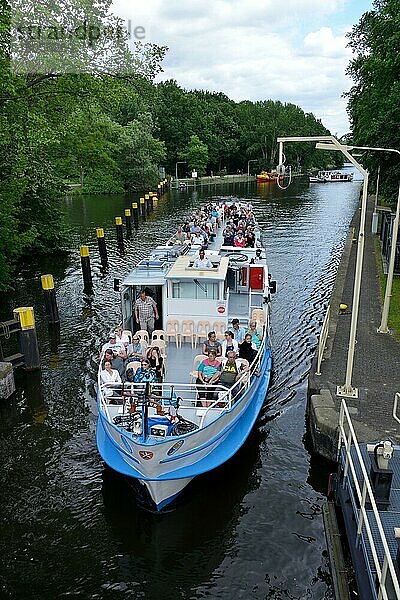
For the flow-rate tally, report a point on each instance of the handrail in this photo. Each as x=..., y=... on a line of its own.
x=396, y=401
x=323, y=336
x=348, y=440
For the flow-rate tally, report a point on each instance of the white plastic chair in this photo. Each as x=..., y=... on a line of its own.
x=219, y=327
x=187, y=330
x=203, y=328
x=257, y=314
x=158, y=334
x=194, y=372
x=172, y=330
x=143, y=335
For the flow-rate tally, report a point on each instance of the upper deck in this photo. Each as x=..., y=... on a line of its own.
x=183, y=269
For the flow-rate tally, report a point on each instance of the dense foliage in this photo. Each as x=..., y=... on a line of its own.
x=110, y=127
x=233, y=132
x=374, y=106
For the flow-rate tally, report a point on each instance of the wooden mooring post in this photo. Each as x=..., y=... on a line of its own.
x=102, y=245
x=135, y=212
x=86, y=269
x=50, y=299
x=119, y=230
x=27, y=338
x=128, y=222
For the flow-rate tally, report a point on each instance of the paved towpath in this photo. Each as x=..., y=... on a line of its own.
x=376, y=371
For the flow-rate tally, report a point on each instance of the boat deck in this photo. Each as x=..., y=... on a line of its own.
x=361, y=549
x=179, y=361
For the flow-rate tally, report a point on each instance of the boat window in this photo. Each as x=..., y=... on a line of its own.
x=204, y=290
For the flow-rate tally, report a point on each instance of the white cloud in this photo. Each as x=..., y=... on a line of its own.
x=324, y=43
x=254, y=49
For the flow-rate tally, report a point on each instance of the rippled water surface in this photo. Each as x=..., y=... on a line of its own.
x=251, y=529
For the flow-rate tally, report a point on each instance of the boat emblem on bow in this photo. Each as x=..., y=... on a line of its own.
x=175, y=447
x=146, y=455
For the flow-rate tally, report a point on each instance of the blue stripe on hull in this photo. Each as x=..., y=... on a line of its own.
x=234, y=439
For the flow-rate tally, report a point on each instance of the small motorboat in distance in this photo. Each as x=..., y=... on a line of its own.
x=330, y=176
x=166, y=432
x=268, y=176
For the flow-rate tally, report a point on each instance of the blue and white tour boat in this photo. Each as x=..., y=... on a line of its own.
x=167, y=432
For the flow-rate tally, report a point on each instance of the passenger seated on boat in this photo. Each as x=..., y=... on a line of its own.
x=197, y=239
x=122, y=337
x=111, y=344
x=212, y=343
x=180, y=235
x=239, y=240
x=156, y=362
x=108, y=355
x=256, y=334
x=247, y=349
x=145, y=373
x=250, y=239
x=208, y=374
x=202, y=262
x=238, y=332
x=136, y=350
x=228, y=236
x=108, y=377
x=231, y=370
x=229, y=343
x=119, y=363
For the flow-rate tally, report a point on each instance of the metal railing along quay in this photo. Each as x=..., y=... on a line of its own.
x=370, y=532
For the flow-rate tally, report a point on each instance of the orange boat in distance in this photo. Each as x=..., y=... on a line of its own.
x=267, y=176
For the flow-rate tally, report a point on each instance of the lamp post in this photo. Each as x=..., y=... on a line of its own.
x=180, y=162
x=248, y=165
x=374, y=225
x=329, y=142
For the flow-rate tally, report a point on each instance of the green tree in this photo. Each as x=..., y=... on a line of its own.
x=196, y=155
x=139, y=154
x=373, y=100
x=53, y=124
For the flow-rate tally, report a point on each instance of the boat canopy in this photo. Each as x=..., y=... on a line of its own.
x=183, y=269
x=146, y=270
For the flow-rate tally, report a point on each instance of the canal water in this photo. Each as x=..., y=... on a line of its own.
x=251, y=529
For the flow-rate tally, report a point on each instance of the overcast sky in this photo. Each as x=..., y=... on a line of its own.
x=293, y=51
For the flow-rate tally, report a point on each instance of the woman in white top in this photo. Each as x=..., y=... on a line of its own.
x=109, y=376
x=229, y=344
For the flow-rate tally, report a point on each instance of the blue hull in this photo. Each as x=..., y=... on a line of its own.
x=231, y=437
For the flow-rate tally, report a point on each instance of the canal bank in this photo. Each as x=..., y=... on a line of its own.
x=210, y=180
x=376, y=361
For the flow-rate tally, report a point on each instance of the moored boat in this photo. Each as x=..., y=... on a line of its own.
x=268, y=176
x=330, y=176
x=169, y=431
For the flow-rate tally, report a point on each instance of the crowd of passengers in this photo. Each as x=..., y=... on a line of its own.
x=119, y=352
x=200, y=227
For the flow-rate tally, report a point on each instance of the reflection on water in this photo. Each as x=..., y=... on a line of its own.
x=253, y=528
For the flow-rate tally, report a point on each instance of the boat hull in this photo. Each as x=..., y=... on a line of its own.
x=165, y=468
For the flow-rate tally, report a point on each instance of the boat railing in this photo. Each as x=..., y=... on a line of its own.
x=163, y=393
x=365, y=495
x=229, y=395
x=167, y=394
x=323, y=336
x=227, y=296
x=395, y=404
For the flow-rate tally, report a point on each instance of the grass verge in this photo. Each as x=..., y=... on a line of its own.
x=394, y=311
